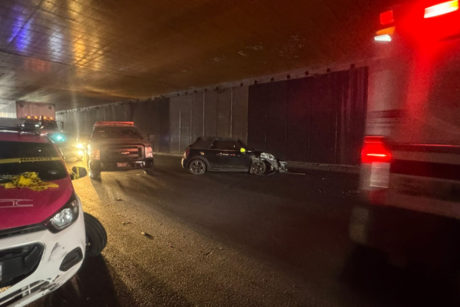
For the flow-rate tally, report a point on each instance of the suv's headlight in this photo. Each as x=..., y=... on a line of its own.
x=65, y=217
x=148, y=152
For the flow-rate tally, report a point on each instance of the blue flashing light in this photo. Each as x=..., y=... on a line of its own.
x=58, y=138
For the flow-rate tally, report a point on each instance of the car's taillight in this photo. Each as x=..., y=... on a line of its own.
x=374, y=150
x=186, y=152
x=95, y=154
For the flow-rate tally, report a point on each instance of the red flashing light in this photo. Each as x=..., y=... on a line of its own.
x=441, y=9
x=374, y=150
x=386, y=18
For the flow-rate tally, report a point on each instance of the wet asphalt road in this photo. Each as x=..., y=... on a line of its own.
x=234, y=240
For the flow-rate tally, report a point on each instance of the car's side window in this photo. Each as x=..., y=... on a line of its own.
x=225, y=145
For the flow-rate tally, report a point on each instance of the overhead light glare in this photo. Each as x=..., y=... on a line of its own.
x=441, y=9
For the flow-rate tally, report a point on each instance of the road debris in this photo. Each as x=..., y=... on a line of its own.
x=119, y=199
x=145, y=234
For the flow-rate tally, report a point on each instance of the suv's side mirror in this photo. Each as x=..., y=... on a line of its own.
x=78, y=172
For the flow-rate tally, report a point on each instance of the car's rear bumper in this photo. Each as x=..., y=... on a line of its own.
x=48, y=275
x=103, y=166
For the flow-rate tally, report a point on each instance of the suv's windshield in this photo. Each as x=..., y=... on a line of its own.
x=46, y=170
x=116, y=132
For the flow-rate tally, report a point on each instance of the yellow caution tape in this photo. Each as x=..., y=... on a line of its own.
x=33, y=159
x=74, y=175
x=29, y=180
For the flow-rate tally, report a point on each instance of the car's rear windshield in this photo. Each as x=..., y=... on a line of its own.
x=46, y=170
x=101, y=133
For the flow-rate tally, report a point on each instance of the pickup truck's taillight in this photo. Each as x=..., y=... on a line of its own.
x=186, y=152
x=374, y=150
x=148, y=152
x=95, y=154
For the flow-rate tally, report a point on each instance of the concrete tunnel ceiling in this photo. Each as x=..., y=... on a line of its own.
x=78, y=53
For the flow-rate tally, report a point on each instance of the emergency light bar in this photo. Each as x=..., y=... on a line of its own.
x=15, y=125
x=387, y=19
x=99, y=124
x=441, y=9
x=40, y=118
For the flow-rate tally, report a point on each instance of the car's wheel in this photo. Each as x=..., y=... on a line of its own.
x=197, y=167
x=258, y=168
x=96, y=237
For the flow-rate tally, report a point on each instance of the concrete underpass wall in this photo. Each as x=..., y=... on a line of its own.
x=172, y=123
x=8, y=110
x=316, y=119
x=80, y=122
x=210, y=113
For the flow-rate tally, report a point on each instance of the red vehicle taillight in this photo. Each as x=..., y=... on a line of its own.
x=374, y=150
x=186, y=152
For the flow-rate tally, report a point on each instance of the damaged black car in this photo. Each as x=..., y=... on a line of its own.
x=216, y=154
